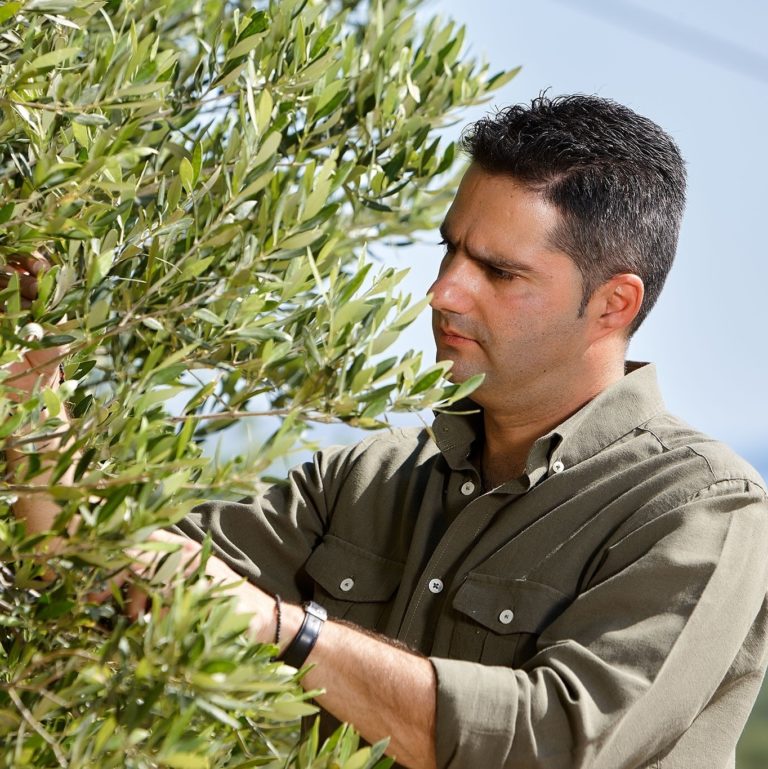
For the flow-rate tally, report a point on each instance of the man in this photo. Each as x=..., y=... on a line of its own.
x=559, y=574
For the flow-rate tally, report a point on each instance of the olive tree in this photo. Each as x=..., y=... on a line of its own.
x=208, y=180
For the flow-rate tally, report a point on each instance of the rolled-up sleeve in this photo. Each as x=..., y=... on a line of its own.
x=633, y=660
x=267, y=539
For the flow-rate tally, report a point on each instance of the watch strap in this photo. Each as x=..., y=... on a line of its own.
x=297, y=651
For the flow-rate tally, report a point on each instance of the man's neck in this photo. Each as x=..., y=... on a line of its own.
x=511, y=431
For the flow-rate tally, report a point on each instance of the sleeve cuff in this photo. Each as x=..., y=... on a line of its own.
x=476, y=713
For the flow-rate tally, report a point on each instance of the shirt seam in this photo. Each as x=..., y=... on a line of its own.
x=719, y=482
x=716, y=479
x=709, y=464
x=561, y=450
x=699, y=493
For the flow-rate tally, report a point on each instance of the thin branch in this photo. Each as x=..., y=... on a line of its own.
x=38, y=728
x=236, y=415
x=45, y=660
x=12, y=443
x=40, y=366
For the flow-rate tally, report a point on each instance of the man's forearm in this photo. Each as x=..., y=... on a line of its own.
x=37, y=507
x=382, y=690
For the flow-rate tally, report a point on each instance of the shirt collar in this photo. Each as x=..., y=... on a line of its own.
x=616, y=411
x=455, y=430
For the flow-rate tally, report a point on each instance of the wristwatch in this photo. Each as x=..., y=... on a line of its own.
x=297, y=651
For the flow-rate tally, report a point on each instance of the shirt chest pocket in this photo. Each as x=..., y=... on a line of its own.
x=498, y=620
x=353, y=583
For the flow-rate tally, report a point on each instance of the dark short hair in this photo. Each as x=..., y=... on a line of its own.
x=617, y=180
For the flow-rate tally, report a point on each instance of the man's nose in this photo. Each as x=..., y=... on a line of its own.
x=451, y=291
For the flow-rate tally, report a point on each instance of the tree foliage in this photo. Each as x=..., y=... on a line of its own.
x=206, y=179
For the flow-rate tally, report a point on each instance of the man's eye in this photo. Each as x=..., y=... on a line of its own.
x=498, y=274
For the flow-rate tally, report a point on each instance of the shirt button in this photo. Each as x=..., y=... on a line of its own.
x=347, y=584
x=506, y=616
x=558, y=467
x=435, y=585
x=467, y=488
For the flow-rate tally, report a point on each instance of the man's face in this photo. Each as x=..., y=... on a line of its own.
x=506, y=301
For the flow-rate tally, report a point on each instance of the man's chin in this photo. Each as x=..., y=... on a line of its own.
x=459, y=371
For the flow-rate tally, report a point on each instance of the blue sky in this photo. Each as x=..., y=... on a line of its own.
x=696, y=68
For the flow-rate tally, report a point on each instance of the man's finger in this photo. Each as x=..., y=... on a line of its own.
x=34, y=264
x=188, y=549
x=27, y=282
x=28, y=267
x=28, y=286
x=136, y=601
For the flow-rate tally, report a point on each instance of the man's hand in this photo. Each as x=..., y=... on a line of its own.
x=28, y=267
x=39, y=367
x=381, y=689
x=164, y=567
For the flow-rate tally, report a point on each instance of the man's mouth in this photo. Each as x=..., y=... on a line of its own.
x=453, y=336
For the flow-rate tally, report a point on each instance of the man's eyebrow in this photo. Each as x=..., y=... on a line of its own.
x=502, y=263
x=488, y=259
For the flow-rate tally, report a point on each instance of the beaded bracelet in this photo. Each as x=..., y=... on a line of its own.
x=278, y=620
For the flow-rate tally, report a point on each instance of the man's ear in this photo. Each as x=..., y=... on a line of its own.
x=615, y=304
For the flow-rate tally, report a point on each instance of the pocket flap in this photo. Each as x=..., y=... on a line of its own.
x=349, y=573
x=509, y=605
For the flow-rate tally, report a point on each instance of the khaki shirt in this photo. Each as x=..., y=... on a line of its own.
x=607, y=609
